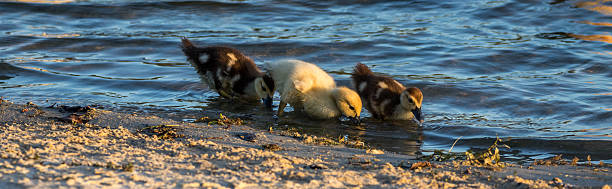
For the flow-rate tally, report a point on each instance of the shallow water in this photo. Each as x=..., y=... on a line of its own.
x=536, y=73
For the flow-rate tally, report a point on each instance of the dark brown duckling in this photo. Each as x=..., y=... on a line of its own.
x=229, y=72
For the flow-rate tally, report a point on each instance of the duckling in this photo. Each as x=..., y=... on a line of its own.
x=308, y=88
x=230, y=73
x=386, y=98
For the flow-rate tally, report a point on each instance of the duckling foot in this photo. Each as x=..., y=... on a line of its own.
x=275, y=118
x=281, y=108
x=418, y=122
x=351, y=120
x=241, y=100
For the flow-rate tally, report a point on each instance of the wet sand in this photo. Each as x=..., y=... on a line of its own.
x=50, y=147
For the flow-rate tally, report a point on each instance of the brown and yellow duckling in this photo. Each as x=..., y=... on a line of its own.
x=386, y=98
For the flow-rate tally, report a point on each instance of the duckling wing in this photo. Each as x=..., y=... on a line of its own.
x=295, y=79
x=302, y=85
x=312, y=77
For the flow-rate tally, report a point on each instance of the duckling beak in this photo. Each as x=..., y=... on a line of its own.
x=267, y=102
x=354, y=120
x=418, y=115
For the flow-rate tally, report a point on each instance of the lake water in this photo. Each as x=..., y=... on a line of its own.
x=535, y=73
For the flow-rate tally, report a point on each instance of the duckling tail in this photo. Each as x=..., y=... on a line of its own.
x=360, y=77
x=361, y=73
x=186, y=45
x=192, y=52
x=362, y=70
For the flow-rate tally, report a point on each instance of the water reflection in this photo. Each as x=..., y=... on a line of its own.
x=43, y=1
x=602, y=38
x=563, y=35
x=596, y=23
x=532, y=92
x=50, y=35
x=44, y=59
x=92, y=75
x=596, y=6
x=404, y=137
x=26, y=85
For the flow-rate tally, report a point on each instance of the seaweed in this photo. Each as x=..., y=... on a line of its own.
x=558, y=160
x=318, y=166
x=420, y=164
x=359, y=161
x=78, y=114
x=271, y=147
x=75, y=119
x=489, y=157
x=351, y=142
x=75, y=109
x=127, y=167
x=441, y=155
x=250, y=137
x=222, y=120
x=164, y=132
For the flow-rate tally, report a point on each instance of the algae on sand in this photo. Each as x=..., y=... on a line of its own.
x=164, y=132
x=489, y=157
x=271, y=147
x=222, y=120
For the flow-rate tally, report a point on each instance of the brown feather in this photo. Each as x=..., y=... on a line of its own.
x=218, y=58
x=374, y=96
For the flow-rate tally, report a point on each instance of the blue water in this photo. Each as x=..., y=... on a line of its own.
x=535, y=73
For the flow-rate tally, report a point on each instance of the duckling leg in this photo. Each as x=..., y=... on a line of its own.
x=281, y=108
x=225, y=94
x=243, y=99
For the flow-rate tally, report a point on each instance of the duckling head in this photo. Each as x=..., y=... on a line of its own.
x=411, y=99
x=348, y=102
x=264, y=87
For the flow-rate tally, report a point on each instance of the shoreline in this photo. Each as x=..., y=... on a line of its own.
x=88, y=147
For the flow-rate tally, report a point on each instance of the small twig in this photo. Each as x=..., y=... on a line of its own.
x=451, y=148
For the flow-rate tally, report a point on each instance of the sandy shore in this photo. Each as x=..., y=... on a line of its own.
x=50, y=147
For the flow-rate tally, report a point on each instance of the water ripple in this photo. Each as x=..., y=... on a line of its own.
x=532, y=72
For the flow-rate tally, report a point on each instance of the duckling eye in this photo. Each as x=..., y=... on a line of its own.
x=263, y=88
x=351, y=107
x=410, y=100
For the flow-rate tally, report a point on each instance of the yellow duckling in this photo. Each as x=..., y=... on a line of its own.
x=308, y=88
